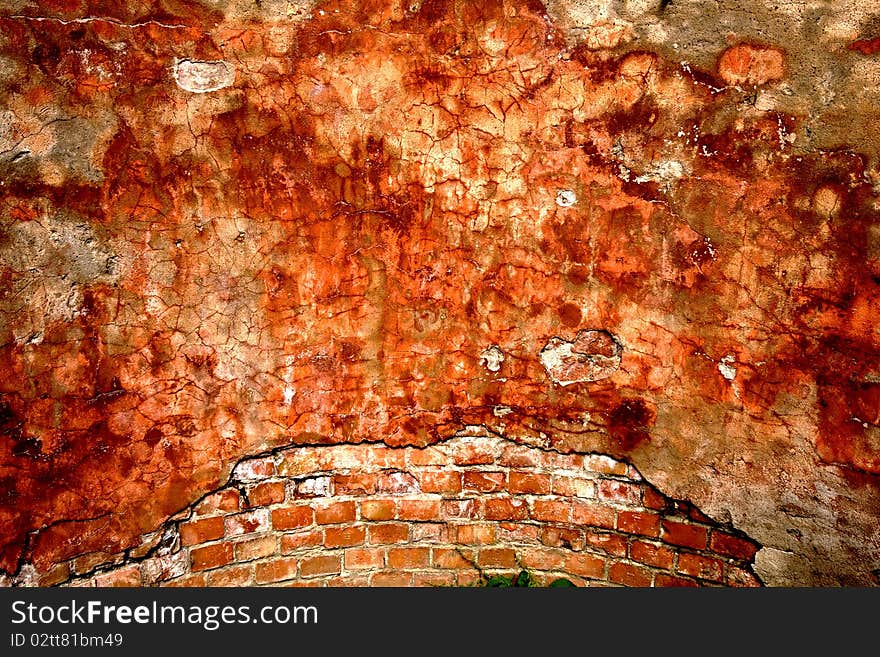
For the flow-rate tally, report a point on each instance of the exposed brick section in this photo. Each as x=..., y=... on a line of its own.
x=336, y=537
x=441, y=481
x=211, y=556
x=371, y=558
x=684, y=535
x=378, y=509
x=392, y=532
x=732, y=546
x=629, y=574
x=321, y=565
x=369, y=515
x=697, y=565
x=652, y=554
x=408, y=558
x=267, y=493
x=277, y=570
x=336, y=513
x=200, y=531
x=418, y=509
x=638, y=522
x=293, y=517
x=528, y=482
x=485, y=482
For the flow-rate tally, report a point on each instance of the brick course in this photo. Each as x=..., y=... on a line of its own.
x=370, y=515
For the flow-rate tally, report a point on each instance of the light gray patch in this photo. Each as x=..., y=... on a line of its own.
x=201, y=77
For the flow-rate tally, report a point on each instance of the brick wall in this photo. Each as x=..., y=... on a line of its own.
x=370, y=515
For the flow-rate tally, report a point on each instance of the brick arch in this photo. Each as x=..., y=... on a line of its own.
x=445, y=515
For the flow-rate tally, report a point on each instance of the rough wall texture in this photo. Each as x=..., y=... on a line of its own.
x=447, y=515
x=634, y=228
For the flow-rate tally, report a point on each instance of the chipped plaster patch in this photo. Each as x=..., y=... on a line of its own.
x=727, y=370
x=492, y=357
x=591, y=356
x=203, y=76
x=565, y=198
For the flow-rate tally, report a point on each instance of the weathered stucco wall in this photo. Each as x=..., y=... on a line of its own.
x=648, y=229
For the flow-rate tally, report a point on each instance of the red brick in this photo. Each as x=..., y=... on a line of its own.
x=551, y=510
x=479, y=451
x=349, y=581
x=298, y=540
x=418, y=510
x=629, y=574
x=255, y=548
x=467, y=577
x=678, y=533
x=357, y=558
x=732, y=546
x=458, y=508
x=528, y=483
x=736, y=576
x=562, y=537
x=653, y=500
x=638, y=522
x=604, y=464
x=619, y=492
x=484, y=482
x=651, y=554
x=475, y=534
x=355, y=484
x=335, y=513
x=698, y=516
x=573, y=487
x=519, y=456
x=390, y=457
x=449, y=558
x=193, y=580
x=232, y=576
x=253, y=469
x=391, y=579
x=542, y=558
x=270, y=492
x=276, y=570
x=202, y=531
x=321, y=565
x=392, y=532
x=247, y=522
x=433, y=579
x=517, y=532
x=314, y=487
x=225, y=500
x=405, y=558
x=585, y=565
x=441, y=481
x=497, y=558
x=55, y=575
x=305, y=583
x=593, y=514
x=613, y=544
x=667, y=581
x=398, y=483
x=292, y=517
x=699, y=566
x=427, y=456
x=91, y=560
x=430, y=532
x=211, y=556
x=505, y=508
x=335, y=537
x=124, y=578
x=377, y=509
